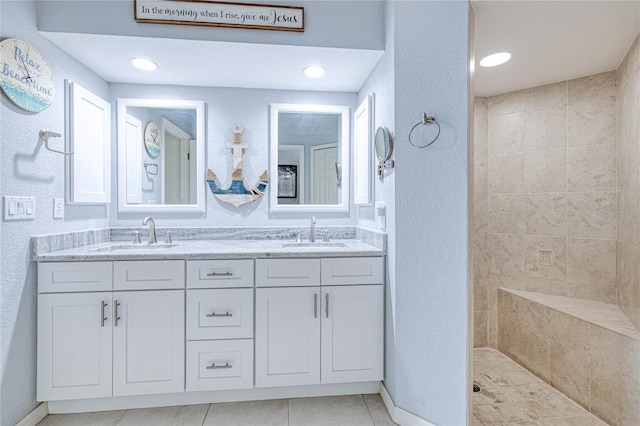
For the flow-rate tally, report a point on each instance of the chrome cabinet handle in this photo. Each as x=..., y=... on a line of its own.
x=213, y=314
x=220, y=274
x=213, y=366
x=116, y=317
x=103, y=318
x=315, y=305
x=326, y=305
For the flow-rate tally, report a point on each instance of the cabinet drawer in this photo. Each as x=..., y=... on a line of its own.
x=219, y=365
x=220, y=314
x=54, y=277
x=287, y=272
x=352, y=270
x=148, y=275
x=220, y=273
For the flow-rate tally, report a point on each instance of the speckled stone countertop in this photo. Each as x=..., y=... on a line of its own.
x=208, y=249
x=205, y=243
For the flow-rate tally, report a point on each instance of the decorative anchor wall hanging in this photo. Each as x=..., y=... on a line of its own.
x=241, y=191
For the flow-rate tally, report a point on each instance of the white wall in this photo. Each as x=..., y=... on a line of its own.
x=431, y=193
x=328, y=23
x=224, y=108
x=425, y=69
x=26, y=168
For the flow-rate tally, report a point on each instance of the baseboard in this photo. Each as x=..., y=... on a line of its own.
x=36, y=416
x=398, y=415
x=206, y=397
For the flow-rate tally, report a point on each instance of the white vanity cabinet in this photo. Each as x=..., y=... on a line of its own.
x=105, y=343
x=148, y=342
x=287, y=336
x=219, y=324
x=317, y=334
x=74, y=346
x=190, y=329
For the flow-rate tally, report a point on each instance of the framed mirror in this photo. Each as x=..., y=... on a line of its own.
x=310, y=144
x=170, y=177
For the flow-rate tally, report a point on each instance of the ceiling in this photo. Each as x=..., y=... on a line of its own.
x=550, y=41
x=219, y=64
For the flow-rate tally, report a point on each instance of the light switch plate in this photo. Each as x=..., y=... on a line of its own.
x=19, y=208
x=58, y=208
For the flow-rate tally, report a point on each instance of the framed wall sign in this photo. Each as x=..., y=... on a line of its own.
x=152, y=139
x=25, y=76
x=220, y=14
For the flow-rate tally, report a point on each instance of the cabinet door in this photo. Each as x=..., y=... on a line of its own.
x=287, y=336
x=148, y=342
x=74, y=346
x=352, y=333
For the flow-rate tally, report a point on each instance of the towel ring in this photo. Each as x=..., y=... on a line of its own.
x=425, y=121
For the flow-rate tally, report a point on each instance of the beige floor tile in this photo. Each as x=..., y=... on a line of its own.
x=83, y=419
x=486, y=414
x=532, y=402
x=330, y=410
x=522, y=411
x=273, y=412
x=187, y=415
x=377, y=410
x=502, y=394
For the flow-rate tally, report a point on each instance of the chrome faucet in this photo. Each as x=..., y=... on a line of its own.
x=312, y=230
x=152, y=229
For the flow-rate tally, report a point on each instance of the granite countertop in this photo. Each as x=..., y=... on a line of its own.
x=212, y=249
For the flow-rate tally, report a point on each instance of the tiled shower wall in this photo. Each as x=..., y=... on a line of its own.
x=545, y=194
x=628, y=282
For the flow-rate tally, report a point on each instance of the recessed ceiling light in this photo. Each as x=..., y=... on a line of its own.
x=313, y=71
x=143, y=64
x=495, y=59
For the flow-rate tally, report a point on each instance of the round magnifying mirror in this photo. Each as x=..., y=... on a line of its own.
x=384, y=144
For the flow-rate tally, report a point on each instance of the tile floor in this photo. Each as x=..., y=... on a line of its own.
x=349, y=410
x=511, y=395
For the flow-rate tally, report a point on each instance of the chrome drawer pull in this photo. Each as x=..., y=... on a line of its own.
x=103, y=318
x=116, y=317
x=326, y=308
x=315, y=305
x=220, y=274
x=213, y=314
x=216, y=367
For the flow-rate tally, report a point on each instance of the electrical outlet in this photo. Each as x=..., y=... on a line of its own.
x=58, y=208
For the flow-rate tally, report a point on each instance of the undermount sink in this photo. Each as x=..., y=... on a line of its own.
x=319, y=244
x=118, y=247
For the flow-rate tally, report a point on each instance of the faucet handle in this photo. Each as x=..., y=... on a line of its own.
x=299, y=236
x=325, y=239
x=167, y=238
x=136, y=237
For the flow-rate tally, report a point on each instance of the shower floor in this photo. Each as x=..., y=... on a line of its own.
x=510, y=395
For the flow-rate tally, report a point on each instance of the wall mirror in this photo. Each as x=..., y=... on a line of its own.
x=384, y=149
x=309, y=158
x=171, y=177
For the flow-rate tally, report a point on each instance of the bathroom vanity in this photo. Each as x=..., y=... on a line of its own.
x=203, y=321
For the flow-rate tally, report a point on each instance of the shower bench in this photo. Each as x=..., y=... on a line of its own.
x=588, y=350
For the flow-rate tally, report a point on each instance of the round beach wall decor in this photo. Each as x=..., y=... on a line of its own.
x=152, y=139
x=25, y=76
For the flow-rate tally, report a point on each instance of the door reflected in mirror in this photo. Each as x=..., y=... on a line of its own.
x=160, y=155
x=310, y=154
